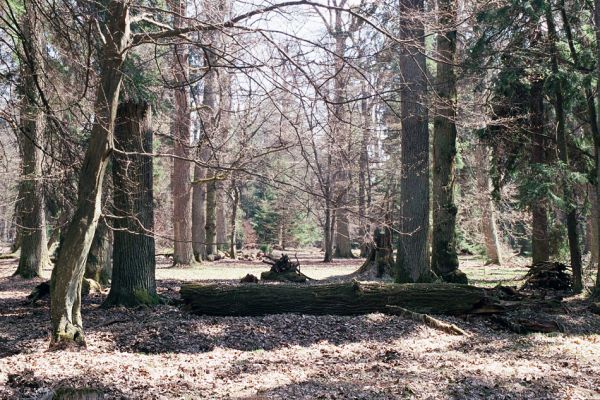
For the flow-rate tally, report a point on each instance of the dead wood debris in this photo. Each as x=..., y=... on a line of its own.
x=548, y=275
x=427, y=320
x=283, y=269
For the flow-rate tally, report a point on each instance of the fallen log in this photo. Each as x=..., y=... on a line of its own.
x=349, y=298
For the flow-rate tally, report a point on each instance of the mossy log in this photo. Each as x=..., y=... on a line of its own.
x=350, y=298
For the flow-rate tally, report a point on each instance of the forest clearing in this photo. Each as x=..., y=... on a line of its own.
x=299, y=199
x=165, y=352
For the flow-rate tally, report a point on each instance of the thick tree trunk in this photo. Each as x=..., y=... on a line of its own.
x=32, y=214
x=412, y=264
x=380, y=260
x=444, y=259
x=99, y=265
x=488, y=218
x=133, y=280
x=343, y=247
x=180, y=130
x=68, y=273
x=561, y=141
x=540, y=250
x=351, y=298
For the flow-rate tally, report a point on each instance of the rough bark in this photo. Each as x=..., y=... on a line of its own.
x=444, y=258
x=488, y=218
x=98, y=266
x=180, y=130
x=412, y=264
x=134, y=264
x=328, y=232
x=67, y=275
x=563, y=155
x=540, y=251
x=32, y=214
x=351, y=298
x=380, y=260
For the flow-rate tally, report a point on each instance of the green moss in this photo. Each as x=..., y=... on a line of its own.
x=143, y=297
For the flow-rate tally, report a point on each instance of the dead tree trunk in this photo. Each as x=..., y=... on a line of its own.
x=68, y=273
x=351, y=298
x=380, y=260
x=133, y=279
x=32, y=214
x=180, y=130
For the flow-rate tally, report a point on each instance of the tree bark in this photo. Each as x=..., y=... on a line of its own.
x=343, y=247
x=597, y=138
x=444, y=259
x=363, y=174
x=563, y=155
x=199, y=213
x=99, y=265
x=540, y=250
x=67, y=275
x=211, y=220
x=221, y=217
x=351, y=298
x=412, y=264
x=32, y=214
x=183, y=254
x=134, y=264
x=235, y=200
x=488, y=218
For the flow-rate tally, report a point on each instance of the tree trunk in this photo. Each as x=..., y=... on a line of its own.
x=540, y=250
x=363, y=174
x=183, y=254
x=597, y=140
x=99, y=265
x=380, y=260
x=235, y=200
x=444, y=259
x=211, y=220
x=32, y=214
x=221, y=217
x=327, y=232
x=561, y=141
x=593, y=227
x=133, y=281
x=199, y=213
x=412, y=264
x=488, y=218
x=351, y=298
x=343, y=247
x=70, y=265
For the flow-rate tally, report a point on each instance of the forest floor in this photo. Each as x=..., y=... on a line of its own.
x=166, y=353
